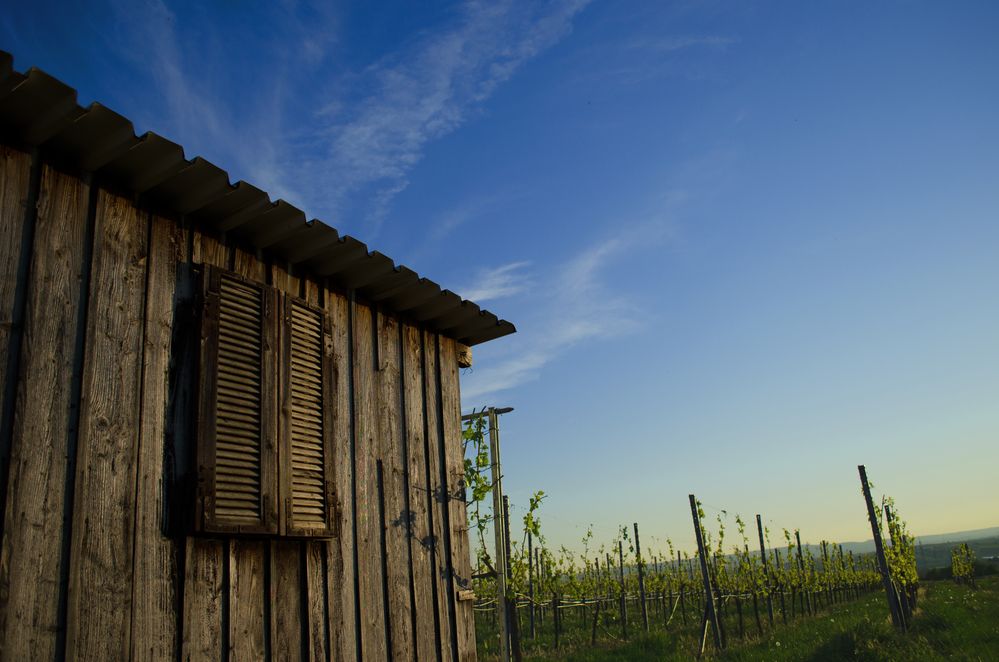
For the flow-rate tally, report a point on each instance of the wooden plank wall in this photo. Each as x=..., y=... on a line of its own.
x=89, y=320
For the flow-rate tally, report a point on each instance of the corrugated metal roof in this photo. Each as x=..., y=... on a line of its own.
x=36, y=110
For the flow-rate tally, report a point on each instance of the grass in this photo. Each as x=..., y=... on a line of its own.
x=953, y=623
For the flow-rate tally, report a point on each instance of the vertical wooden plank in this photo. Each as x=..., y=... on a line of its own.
x=202, y=636
x=15, y=171
x=33, y=517
x=286, y=584
x=247, y=558
x=374, y=633
x=209, y=250
x=154, y=634
x=203, y=558
x=100, y=585
x=427, y=627
x=285, y=597
x=316, y=607
x=247, y=265
x=460, y=555
x=397, y=516
x=438, y=494
x=314, y=583
x=340, y=568
x=284, y=281
x=19, y=183
x=246, y=600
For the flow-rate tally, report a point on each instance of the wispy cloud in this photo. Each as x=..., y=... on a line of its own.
x=650, y=55
x=426, y=92
x=576, y=304
x=198, y=93
x=504, y=281
x=671, y=43
x=341, y=143
x=469, y=211
x=146, y=36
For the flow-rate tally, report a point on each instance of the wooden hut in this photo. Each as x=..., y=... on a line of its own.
x=226, y=433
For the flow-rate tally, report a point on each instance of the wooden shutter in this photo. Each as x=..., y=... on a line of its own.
x=237, y=422
x=307, y=447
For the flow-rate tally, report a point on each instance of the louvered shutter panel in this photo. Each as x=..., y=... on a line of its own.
x=307, y=449
x=237, y=445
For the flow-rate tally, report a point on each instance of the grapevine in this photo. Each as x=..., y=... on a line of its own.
x=580, y=598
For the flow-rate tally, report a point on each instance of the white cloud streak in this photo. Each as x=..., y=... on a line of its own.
x=504, y=281
x=669, y=44
x=428, y=91
x=340, y=143
x=194, y=108
x=575, y=306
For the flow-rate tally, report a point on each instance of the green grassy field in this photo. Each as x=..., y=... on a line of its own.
x=952, y=623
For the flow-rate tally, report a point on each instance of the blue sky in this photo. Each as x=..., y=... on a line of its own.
x=747, y=245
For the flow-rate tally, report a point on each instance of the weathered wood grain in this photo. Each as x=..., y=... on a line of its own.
x=285, y=597
x=154, y=635
x=341, y=571
x=373, y=624
x=282, y=279
x=397, y=515
x=202, y=624
x=15, y=174
x=246, y=264
x=207, y=249
x=438, y=492
x=30, y=555
x=454, y=458
x=17, y=194
x=285, y=584
x=427, y=625
x=314, y=583
x=247, y=588
x=246, y=600
x=317, y=611
x=122, y=599
x=100, y=584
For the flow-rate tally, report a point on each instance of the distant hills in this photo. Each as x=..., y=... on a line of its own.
x=960, y=536
x=867, y=546
x=934, y=551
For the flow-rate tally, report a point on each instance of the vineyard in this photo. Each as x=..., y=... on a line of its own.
x=737, y=584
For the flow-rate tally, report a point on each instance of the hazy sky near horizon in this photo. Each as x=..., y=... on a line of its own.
x=747, y=245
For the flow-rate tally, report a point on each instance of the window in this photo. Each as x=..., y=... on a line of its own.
x=265, y=461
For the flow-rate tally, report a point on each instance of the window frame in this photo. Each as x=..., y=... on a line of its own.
x=276, y=514
x=288, y=527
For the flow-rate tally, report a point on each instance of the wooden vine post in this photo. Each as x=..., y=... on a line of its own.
x=556, y=619
x=498, y=532
x=756, y=605
x=903, y=599
x=530, y=581
x=893, y=606
x=679, y=578
x=641, y=580
x=537, y=564
x=710, y=615
x=513, y=620
x=624, y=605
x=825, y=569
x=766, y=572
x=596, y=610
x=806, y=596
x=610, y=576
